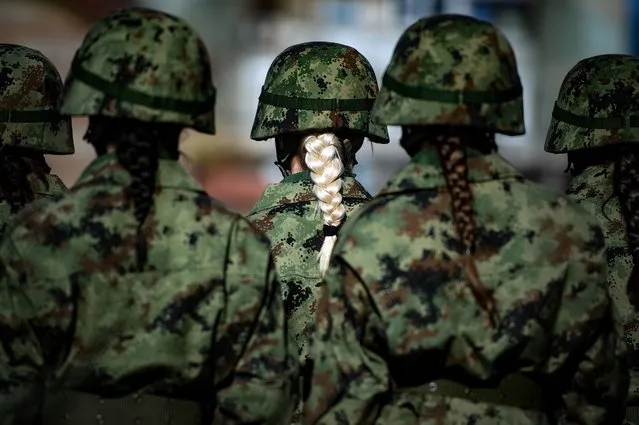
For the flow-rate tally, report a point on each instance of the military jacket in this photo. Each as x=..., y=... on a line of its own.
x=288, y=213
x=397, y=317
x=51, y=189
x=203, y=320
x=593, y=189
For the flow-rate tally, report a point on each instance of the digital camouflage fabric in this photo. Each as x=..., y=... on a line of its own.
x=49, y=190
x=597, y=105
x=30, y=86
x=452, y=70
x=142, y=64
x=202, y=322
x=288, y=214
x=593, y=189
x=318, y=86
x=397, y=317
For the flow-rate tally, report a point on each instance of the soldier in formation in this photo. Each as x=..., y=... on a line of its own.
x=462, y=293
x=595, y=122
x=316, y=104
x=137, y=298
x=30, y=127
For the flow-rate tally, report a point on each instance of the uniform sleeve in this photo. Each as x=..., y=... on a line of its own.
x=27, y=313
x=588, y=352
x=253, y=338
x=350, y=377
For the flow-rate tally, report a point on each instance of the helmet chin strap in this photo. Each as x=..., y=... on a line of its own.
x=283, y=161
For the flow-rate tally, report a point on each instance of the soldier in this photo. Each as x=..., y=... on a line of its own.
x=30, y=126
x=316, y=103
x=464, y=293
x=137, y=296
x=595, y=122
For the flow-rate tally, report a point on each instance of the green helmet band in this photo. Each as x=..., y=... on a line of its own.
x=130, y=95
x=319, y=105
x=453, y=97
x=607, y=123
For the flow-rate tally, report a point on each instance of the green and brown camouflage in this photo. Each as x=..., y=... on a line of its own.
x=30, y=87
x=593, y=189
x=203, y=322
x=288, y=214
x=452, y=70
x=50, y=189
x=597, y=105
x=318, y=87
x=145, y=65
x=396, y=299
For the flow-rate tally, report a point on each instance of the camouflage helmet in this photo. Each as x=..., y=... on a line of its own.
x=30, y=87
x=142, y=64
x=318, y=86
x=597, y=105
x=452, y=70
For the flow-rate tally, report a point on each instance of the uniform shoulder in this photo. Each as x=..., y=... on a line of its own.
x=542, y=195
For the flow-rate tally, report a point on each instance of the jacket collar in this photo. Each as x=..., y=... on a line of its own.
x=424, y=171
x=298, y=188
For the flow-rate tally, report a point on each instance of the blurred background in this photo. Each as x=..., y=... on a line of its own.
x=244, y=36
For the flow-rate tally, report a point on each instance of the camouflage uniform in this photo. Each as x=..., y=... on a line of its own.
x=400, y=338
x=310, y=88
x=199, y=331
x=29, y=89
x=594, y=93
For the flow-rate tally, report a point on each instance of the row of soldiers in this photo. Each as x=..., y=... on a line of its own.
x=460, y=294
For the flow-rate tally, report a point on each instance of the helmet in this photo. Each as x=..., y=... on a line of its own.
x=142, y=64
x=30, y=86
x=598, y=105
x=452, y=70
x=315, y=87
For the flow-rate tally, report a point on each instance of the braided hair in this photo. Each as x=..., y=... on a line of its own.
x=15, y=167
x=625, y=180
x=450, y=144
x=328, y=157
x=137, y=147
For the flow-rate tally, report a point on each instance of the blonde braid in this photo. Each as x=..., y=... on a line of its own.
x=324, y=161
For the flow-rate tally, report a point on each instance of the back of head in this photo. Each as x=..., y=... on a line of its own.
x=30, y=87
x=596, y=120
x=322, y=93
x=141, y=76
x=450, y=76
x=30, y=124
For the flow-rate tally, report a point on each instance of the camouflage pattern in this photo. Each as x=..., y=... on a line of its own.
x=593, y=189
x=30, y=86
x=304, y=85
x=142, y=64
x=597, y=105
x=203, y=322
x=49, y=190
x=288, y=214
x=452, y=70
x=395, y=300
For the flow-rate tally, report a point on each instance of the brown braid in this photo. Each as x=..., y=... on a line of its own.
x=453, y=158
